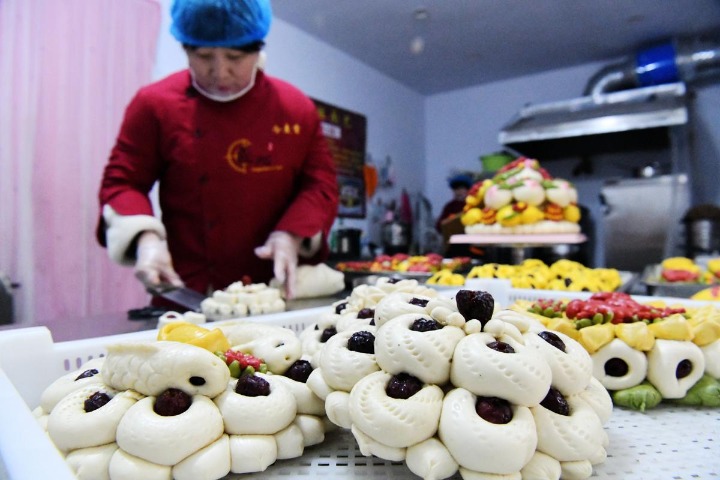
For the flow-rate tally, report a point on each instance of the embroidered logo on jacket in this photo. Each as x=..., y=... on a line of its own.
x=244, y=159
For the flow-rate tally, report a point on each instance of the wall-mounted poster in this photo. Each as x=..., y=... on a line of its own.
x=346, y=134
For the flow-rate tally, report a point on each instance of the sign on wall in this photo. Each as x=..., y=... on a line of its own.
x=346, y=134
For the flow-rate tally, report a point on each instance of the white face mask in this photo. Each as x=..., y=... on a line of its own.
x=228, y=97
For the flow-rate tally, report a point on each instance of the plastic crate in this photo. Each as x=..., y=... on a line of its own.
x=668, y=442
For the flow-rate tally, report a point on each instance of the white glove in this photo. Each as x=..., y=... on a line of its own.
x=282, y=248
x=154, y=264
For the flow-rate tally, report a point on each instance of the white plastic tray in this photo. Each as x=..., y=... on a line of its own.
x=668, y=442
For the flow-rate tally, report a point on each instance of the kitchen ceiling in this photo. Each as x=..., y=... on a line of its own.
x=434, y=46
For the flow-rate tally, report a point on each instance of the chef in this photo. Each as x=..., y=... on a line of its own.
x=247, y=186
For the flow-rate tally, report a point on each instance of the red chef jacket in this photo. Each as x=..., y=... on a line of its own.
x=229, y=174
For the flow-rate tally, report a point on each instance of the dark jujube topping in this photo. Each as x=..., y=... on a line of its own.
x=494, y=410
x=87, y=374
x=683, y=369
x=366, y=313
x=420, y=302
x=172, y=402
x=403, y=386
x=95, y=401
x=299, y=371
x=616, y=367
x=327, y=333
x=555, y=402
x=553, y=340
x=475, y=304
x=252, y=386
x=425, y=325
x=340, y=307
x=501, y=347
x=362, y=342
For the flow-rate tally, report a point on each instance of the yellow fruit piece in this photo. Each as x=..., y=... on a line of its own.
x=508, y=217
x=471, y=217
x=714, y=265
x=679, y=263
x=472, y=201
x=571, y=213
x=712, y=293
x=563, y=325
x=595, y=337
x=705, y=333
x=674, y=327
x=636, y=334
x=213, y=340
x=531, y=214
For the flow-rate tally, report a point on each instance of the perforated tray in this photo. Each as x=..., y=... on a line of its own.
x=668, y=442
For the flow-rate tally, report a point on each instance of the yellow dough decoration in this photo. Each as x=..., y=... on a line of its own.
x=213, y=340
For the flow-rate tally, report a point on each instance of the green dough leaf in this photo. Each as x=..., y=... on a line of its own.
x=705, y=393
x=639, y=397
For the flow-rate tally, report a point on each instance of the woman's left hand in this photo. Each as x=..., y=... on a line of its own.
x=282, y=248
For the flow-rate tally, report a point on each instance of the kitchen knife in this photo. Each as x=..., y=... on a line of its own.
x=185, y=297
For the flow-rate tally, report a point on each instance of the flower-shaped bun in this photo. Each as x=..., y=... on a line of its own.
x=88, y=373
x=423, y=354
x=573, y=437
x=483, y=446
x=166, y=440
x=631, y=372
x=395, y=422
x=522, y=377
x=399, y=303
x=571, y=366
x=341, y=367
x=278, y=346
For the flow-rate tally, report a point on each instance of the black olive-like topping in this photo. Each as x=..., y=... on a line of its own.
x=172, y=402
x=362, y=342
x=420, y=302
x=555, y=402
x=366, y=313
x=197, y=381
x=616, y=367
x=553, y=340
x=252, y=386
x=501, y=347
x=95, y=401
x=327, y=333
x=425, y=325
x=494, y=410
x=87, y=374
x=340, y=307
x=299, y=371
x=403, y=386
x=683, y=369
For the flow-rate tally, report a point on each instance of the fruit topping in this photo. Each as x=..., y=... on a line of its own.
x=683, y=369
x=475, y=304
x=252, y=386
x=494, y=410
x=553, y=340
x=95, y=401
x=616, y=367
x=241, y=363
x=501, y=347
x=555, y=402
x=403, y=386
x=420, y=302
x=366, y=313
x=87, y=374
x=425, y=325
x=172, y=402
x=327, y=333
x=548, y=308
x=299, y=371
x=362, y=342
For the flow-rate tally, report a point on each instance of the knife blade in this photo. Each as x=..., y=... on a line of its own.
x=183, y=296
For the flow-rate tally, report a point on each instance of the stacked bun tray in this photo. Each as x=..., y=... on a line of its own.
x=668, y=442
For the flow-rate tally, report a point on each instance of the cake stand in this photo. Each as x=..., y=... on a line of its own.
x=519, y=242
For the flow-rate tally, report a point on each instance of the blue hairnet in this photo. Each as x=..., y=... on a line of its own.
x=220, y=23
x=460, y=181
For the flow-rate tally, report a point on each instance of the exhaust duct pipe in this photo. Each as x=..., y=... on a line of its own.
x=672, y=61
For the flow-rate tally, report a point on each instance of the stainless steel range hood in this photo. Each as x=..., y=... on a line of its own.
x=627, y=119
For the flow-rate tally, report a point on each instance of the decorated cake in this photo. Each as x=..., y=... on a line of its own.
x=643, y=353
x=521, y=198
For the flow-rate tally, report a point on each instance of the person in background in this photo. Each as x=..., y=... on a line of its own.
x=247, y=186
x=460, y=185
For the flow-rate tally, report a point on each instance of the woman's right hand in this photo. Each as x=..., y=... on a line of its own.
x=153, y=265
